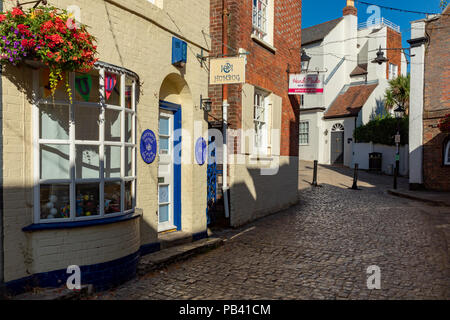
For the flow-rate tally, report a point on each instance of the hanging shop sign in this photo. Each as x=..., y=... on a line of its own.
x=200, y=151
x=302, y=83
x=227, y=70
x=148, y=146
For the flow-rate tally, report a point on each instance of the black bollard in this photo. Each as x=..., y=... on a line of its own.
x=314, y=183
x=355, y=178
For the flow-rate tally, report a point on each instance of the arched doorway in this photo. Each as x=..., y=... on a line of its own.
x=175, y=103
x=337, y=144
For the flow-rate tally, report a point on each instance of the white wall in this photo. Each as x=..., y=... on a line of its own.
x=416, y=105
x=361, y=157
x=310, y=152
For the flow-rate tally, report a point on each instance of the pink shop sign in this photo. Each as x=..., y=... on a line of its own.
x=302, y=83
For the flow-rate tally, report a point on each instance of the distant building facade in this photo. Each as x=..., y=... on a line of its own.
x=342, y=51
x=430, y=103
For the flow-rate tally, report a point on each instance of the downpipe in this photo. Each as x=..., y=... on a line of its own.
x=2, y=253
x=225, y=159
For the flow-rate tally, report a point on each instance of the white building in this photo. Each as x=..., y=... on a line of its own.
x=342, y=51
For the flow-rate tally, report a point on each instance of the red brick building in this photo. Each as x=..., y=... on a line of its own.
x=436, y=154
x=430, y=103
x=268, y=33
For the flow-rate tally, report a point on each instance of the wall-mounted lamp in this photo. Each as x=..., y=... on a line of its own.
x=205, y=103
x=380, y=57
x=305, y=59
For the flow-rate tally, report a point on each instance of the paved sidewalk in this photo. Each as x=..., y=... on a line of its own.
x=432, y=197
x=319, y=249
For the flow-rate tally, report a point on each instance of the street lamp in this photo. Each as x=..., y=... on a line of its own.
x=399, y=113
x=380, y=59
x=305, y=59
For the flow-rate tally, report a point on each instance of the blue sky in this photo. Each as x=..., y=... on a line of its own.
x=318, y=11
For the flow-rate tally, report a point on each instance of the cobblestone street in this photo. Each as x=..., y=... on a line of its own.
x=319, y=249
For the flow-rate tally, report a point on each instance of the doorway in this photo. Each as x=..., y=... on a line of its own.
x=337, y=144
x=166, y=172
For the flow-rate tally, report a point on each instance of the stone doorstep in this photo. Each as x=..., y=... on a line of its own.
x=172, y=239
x=423, y=197
x=165, y=257
x=56, y=293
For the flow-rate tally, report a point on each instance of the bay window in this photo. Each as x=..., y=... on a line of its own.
x=85, y=149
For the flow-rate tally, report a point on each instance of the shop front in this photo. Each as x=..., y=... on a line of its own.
x=95, y=173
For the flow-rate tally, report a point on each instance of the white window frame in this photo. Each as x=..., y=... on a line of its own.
x=261, y=103
x=260, y=18
x=447, y=154
x=72, y=142
x=303, y=133
x=393, y=71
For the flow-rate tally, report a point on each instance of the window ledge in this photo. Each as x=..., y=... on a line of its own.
x=264, y=44
x=81, y=224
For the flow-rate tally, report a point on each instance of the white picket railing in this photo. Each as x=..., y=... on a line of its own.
x=378, y=23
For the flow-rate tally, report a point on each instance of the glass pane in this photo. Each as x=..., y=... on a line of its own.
x=163, y=194
x=128, y=161
x=112, y=162
x=54, y=161
x=128, y=195
x=164, y=213
x=128, y=93
x=86, y=123
x=55, y=201
x=128, y=127
x=164, y=126
x=163, y=145
x=87, y=199
x=87, y=162
x=54, y=122
x=112, y=88
x=44, y=86
x=112, y=125
x=87, y=87
x=112, y=197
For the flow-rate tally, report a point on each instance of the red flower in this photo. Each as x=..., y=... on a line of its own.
x=50, y=55
x=17, y=12
x=2, y=17
x=47, y=26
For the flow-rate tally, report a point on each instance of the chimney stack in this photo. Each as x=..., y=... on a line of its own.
x=350, y=8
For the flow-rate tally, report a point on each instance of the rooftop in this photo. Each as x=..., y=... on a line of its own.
x=382, y=22
x=348, y=103
x=319, y=31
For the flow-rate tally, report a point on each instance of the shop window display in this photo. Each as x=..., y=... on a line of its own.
x=86, y=148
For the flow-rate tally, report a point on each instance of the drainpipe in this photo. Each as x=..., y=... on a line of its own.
x=225, y=112
x=2, y=278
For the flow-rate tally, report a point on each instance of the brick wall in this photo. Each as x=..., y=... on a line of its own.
x=265, y=68
x=436, y=103
x=394, y=40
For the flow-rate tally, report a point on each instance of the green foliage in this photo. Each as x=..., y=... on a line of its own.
x=398, y=93
x=383, y=131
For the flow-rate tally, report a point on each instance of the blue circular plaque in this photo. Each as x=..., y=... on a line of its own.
x=200, y=151
x=148, y=146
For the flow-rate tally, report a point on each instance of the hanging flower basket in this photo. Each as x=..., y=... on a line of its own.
x=48, y=35
x=444, y=124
